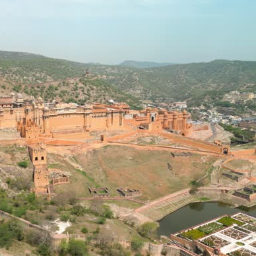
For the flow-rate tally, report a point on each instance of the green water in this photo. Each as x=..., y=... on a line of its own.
x=197, y=213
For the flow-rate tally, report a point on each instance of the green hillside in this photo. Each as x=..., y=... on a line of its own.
x=196, y=82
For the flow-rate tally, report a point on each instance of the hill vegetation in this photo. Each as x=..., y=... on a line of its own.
x=198, y=83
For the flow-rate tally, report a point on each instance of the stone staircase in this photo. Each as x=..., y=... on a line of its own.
x=163, y=208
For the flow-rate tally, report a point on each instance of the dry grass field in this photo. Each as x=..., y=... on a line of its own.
x=241, y=164
x=154, y=172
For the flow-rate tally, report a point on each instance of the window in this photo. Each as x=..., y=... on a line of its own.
x=36, y=158
x=42, y=158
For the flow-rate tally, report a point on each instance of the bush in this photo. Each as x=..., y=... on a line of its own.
x=44, y=250
x=148, y=228
x=107, y=213
x=9, y=231
x=77, y=248
x=64, y=217
x=136, y=243
x=101, y=220
x=36, y=238
x=18, y=184
x=84, y=230
x=23, y=164
x=78, y=210
x=19, y=212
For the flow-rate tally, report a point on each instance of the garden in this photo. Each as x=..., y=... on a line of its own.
x=202, y=231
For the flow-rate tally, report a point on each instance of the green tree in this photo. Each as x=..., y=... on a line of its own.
x=77, y=248
x=148, y=229
x=136, y=243
x=9, y=231
x=44, y=250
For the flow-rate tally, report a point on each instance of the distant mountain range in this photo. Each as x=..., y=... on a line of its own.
x=143, y=64
x=198, y=83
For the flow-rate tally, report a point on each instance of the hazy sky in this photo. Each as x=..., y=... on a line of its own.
x=110, y=31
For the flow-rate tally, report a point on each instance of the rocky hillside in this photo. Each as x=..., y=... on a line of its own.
x=196, y=82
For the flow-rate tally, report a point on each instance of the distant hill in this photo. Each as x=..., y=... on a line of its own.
x=142, y=64
x=198, y=83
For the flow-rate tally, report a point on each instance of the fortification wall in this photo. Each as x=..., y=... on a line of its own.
x=9, y=117
x=83, y=136
x=65, y=121
x=24, y=223
x=244, y=152
x=121, y=136
x=193, y=143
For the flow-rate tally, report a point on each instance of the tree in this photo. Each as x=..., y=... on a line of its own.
x=8, y=232
x=63, y=248
x=78, y=210
x=44, y=250
x=136, y=243
x=148, y=229
x=77, y=248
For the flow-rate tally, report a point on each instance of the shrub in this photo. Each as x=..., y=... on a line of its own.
x=64, y=217
x=148, y=228
x=8, y=232
x=107, y=212
x=84, y=230
x=19, y=212
x=44, y=250
x=101, y=220
x=77, y=248
x=78, y=210
x=23, y=164
x=136, y=243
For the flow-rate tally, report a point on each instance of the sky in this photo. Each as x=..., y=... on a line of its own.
x=111, y=31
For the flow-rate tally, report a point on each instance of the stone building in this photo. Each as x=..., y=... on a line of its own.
x=248, y=193
x=128, y=192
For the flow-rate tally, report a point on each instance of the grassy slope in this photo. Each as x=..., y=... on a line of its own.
x=141, y=169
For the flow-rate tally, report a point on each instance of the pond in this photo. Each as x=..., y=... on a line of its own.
x=197, y=213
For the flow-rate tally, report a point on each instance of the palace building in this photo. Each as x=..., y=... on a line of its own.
x=52, y=119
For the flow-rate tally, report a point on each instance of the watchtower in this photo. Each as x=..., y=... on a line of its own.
x=37, y=154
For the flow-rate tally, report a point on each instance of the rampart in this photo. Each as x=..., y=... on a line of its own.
x=26, y=225
x=195, y=143
x=244, y=152
x=121, y=136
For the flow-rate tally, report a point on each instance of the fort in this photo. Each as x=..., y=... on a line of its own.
x=38, y=119
x=91, y=137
